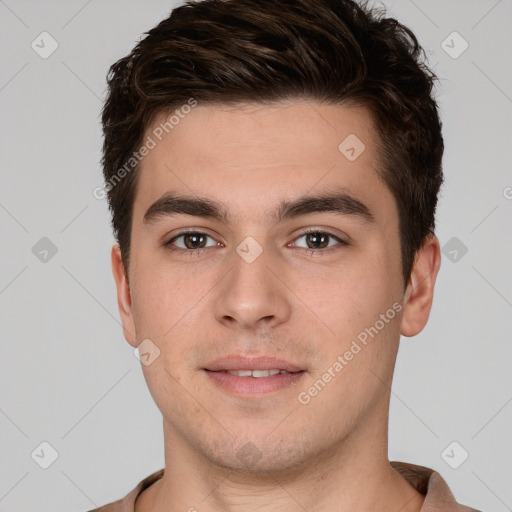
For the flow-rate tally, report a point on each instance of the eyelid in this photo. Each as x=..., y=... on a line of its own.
x=326, y=231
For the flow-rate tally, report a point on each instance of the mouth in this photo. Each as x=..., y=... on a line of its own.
x=253, y=376
x=256, y=373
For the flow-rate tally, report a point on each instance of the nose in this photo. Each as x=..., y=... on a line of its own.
x=253, y=295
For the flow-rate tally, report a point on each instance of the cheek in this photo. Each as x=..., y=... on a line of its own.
x=156, y=306
x=163, y=296
x=361, y=304
x=173, y=309
x=360, y=290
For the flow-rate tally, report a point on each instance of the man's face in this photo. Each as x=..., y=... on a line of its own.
x=256, y=291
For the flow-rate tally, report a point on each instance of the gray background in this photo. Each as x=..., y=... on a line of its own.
x=68, y=377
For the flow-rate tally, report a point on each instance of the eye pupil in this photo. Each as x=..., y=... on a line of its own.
x=194, y=237
x=319, y=238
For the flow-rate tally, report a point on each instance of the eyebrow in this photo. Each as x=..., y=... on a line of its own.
x=341, y=202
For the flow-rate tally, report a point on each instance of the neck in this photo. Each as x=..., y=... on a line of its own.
x=353, y=475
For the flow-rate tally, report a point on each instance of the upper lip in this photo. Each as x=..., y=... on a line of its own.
x=251, y=363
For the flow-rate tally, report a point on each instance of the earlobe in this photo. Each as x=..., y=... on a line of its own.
x=124, y=301
x=420, y=289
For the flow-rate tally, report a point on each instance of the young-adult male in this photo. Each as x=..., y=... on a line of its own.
x=272, y=170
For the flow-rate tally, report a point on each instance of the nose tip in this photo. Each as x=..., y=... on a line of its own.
x=250, y=296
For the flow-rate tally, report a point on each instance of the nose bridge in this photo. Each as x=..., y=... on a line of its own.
x=251, y=292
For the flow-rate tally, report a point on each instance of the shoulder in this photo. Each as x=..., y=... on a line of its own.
x=438, y=496
x=127, y=504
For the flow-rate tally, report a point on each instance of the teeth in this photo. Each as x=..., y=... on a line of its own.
x=255, y=373
x=260, y=373
x=241, y=373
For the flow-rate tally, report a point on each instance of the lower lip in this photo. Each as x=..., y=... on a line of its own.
x=254, y=385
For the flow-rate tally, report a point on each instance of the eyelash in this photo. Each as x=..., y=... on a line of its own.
x=192, y=252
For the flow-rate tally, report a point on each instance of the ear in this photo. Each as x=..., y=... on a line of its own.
x=420, y=289
x=124, y=300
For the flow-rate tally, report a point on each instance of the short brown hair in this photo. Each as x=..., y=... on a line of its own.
x=334, y=51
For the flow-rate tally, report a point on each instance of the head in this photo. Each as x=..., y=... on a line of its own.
x=257, y=105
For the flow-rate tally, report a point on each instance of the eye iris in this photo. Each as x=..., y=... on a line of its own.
x=194, y=237
x=319, y=238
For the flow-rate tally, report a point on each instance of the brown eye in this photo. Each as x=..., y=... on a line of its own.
x=191, y=241
x=194, y=240
x=319, y=240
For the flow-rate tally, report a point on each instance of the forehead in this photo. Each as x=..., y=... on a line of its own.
x=259, y=153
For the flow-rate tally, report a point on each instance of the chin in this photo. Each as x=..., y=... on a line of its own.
x=259, y=455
